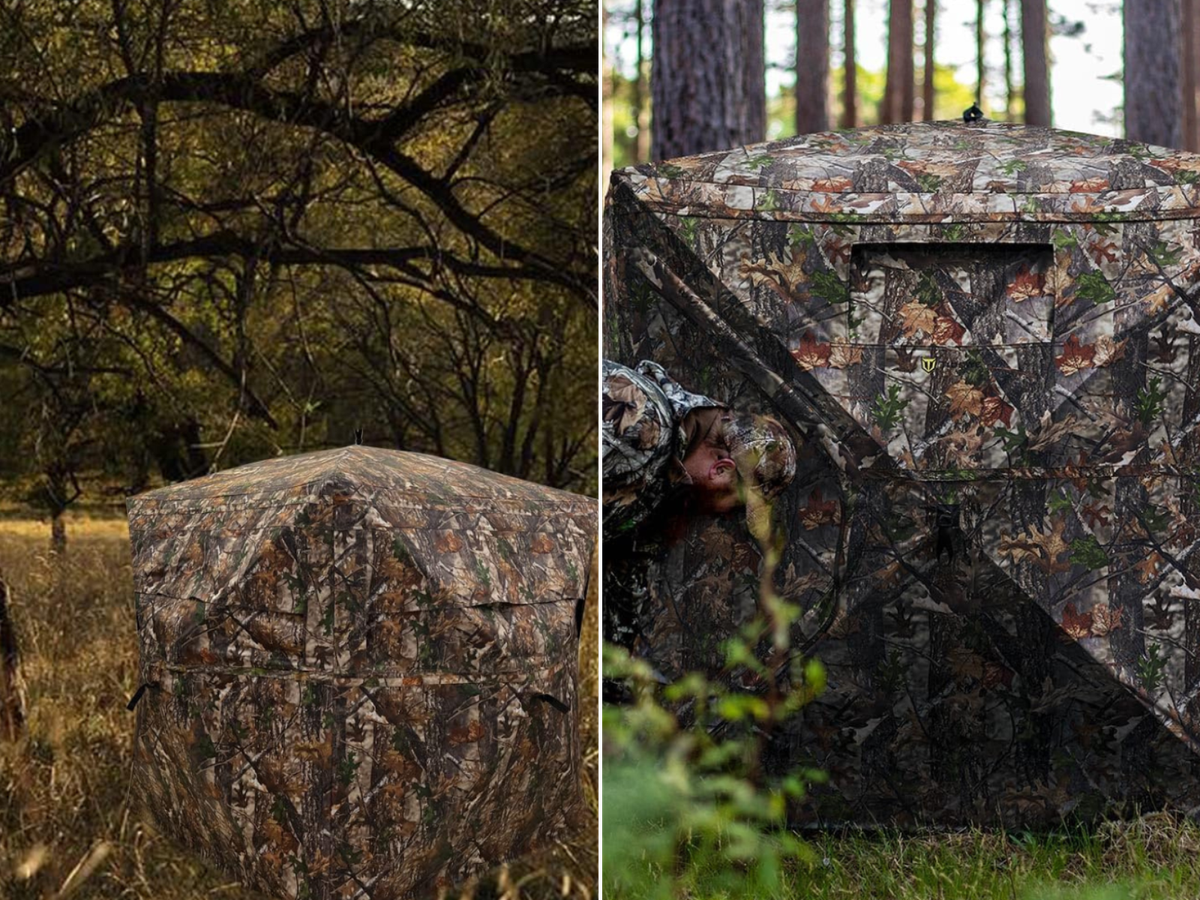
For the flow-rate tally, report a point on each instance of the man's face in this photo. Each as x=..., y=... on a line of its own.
x=714, y=477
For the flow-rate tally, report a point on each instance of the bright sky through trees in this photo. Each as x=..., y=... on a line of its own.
x=1085, y=94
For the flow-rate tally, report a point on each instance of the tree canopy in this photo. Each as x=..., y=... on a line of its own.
x=234, y=228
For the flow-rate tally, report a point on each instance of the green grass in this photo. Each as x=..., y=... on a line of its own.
x=1147, y=858
x=65, y=819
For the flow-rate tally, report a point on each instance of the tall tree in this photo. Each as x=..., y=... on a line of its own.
x=812, y=66
x=641, y=144
x=849, y=68
x=706, y=99
x=1009, y=88
x=1035, y=34
x=980, y=50
x=928, y=95
x=754, y=67
x=899, y=97
x=1191, y=58
x=1153, y=86
x=609, y=74
x=198, y=223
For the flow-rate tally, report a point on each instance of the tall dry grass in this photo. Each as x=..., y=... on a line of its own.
x=67, y=826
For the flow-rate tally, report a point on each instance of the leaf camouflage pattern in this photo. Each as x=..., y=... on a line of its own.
x=362, y=669
x=993, y=528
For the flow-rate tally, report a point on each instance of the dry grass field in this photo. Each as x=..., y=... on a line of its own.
x=67, y=826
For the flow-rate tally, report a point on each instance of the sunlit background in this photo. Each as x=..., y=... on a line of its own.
x=1085, y=64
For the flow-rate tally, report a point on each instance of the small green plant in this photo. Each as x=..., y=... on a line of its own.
x=688, y=808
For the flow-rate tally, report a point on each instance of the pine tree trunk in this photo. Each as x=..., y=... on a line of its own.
x=849, y=68
x=642, y=142
x=908, y=96
x=1153, y=92
x=898, y=93
x=754, y=69
x=1034, y=37
x=1191, y=132
x=705, y=55
x=980, y=55
x=1005, y=9
x=927, y=87
x=812, y=66
x=605, y=112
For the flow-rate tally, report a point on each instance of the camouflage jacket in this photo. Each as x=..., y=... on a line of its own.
x=642, y=436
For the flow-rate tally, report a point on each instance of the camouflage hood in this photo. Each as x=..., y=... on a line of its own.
x=989, y=334
x=362, y=669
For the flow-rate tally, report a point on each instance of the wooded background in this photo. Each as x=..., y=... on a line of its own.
x=236, y=228
x=693, y=77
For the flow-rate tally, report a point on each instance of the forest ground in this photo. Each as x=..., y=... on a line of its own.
x=66, y=825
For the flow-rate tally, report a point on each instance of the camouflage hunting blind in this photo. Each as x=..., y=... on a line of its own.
x=362, y=669
x=985, y=339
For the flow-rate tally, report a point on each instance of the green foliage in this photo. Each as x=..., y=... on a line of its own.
x=975, y=370
x=1164, y=254
x=1059, y=502
x=227, y=278
x=1150, y=400
x=829, y=287
x=800, y=236
x=929, y=183
x=1148, y=858
x=688, y=810
x=1095, y=287
x=1154, y=519
x=768, y=200
x=1151, y=668
x=688, y=229
x=888, y=408
x=1087, y=552
x=928, y=292
x=1064, y=239
x=1014, y=440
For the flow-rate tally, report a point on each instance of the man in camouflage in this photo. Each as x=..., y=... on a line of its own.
x=669, y=454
